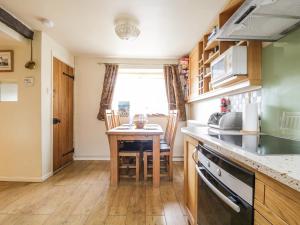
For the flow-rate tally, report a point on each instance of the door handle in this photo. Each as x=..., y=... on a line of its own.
x=224, y=198
x=56, y=121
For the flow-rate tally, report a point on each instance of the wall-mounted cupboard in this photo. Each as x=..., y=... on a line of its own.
x=209, y=49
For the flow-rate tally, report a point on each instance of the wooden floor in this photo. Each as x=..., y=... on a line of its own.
x=80, y=194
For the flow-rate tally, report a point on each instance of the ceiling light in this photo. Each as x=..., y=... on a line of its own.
x=47, y=23
x=127, y=29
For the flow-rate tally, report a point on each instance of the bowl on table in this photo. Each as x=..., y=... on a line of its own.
x=140, y=121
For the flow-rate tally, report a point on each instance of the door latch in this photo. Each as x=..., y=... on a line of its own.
x=56, y=121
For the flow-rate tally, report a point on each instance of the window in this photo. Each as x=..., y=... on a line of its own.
x=143, y=89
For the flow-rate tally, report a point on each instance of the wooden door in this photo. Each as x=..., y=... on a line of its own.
x=63, y=86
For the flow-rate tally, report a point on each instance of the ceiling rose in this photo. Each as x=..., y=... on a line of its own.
x=127, y=29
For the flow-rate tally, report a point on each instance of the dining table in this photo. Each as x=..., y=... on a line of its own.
x=126, y=132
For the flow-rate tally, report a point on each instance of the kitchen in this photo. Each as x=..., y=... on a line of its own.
x=244, y=159
x=117, y=124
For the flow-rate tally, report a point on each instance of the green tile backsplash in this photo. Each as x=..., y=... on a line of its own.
x=281, y=83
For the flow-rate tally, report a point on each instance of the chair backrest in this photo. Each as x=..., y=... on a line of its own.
x=168, y=127
x=173, y=127
x=109, y=119
x=116, y=118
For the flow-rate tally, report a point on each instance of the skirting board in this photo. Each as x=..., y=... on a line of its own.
x=175, y=158
x=27, y=179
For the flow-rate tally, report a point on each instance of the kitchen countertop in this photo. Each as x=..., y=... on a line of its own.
x=283, y=168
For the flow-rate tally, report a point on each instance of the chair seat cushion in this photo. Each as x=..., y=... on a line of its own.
x=130, y=145
x=163, y=141
x=163, y=148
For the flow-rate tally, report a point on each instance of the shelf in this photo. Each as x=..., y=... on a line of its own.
x=211, y=45
x=238, y=88
x=210, y=59
x=230, y=81
x=242, y=43
x=207, y=75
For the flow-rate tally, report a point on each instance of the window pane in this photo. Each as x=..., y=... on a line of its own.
x=144, y=89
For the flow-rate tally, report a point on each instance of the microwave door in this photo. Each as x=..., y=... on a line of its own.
x=219, y=69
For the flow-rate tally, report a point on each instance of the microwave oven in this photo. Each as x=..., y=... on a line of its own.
x=233, y=62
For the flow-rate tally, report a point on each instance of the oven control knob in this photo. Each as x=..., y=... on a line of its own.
x=208, y=163
x=219, y=172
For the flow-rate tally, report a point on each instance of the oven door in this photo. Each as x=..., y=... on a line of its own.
x=217, y=205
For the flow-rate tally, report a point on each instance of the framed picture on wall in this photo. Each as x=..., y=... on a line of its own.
x=6, y=61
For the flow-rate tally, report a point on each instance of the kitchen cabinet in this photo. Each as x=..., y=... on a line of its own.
x=194, y=72
x=190, y=179
x=208, y=48
x=277, y=203
x=260, y=220
x=274, y=202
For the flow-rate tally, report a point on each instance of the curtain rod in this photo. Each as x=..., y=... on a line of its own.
x=140, y=64
x=136, y=64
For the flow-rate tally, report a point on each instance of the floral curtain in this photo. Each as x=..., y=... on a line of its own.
x=174, y=90
x=111, y=71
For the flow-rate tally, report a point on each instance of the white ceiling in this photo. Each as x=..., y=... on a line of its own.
x=169, y=28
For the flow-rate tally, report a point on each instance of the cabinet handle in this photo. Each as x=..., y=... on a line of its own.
x=193, y=156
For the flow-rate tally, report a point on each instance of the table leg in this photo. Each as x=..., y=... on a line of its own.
x=114, y=161
x=156, y=161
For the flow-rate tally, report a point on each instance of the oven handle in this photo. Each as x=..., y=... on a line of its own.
x=226, y=200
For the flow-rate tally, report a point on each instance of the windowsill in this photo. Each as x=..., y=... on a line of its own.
x=152, y=115
x=157, y=115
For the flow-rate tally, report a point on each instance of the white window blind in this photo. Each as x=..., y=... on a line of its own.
x=144, y=89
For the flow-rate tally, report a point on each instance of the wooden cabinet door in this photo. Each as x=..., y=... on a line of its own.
x=63, y=114
x=190, y=180
x=260, y=220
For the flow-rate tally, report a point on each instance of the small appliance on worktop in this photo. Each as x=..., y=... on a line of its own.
x=226, y=120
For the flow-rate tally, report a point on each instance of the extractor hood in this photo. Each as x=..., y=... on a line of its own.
x=267, y=20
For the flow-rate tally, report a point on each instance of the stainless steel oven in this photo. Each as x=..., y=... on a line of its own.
x=225, y=190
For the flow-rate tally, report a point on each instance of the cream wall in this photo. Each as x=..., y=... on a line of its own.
x=26, y=125
x=49, y=49
x=20, y=122
x=90, y=138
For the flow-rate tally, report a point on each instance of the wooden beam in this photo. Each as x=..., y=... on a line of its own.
x=15, y=24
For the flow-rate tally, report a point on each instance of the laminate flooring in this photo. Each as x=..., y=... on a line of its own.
x=80, y=194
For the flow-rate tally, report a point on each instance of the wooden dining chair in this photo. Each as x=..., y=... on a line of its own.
x=129, y=154
x=116, y=117
x=166, y=137
x=109, y=119
x=166, y=149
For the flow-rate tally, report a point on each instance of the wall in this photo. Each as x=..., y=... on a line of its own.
x=281, y=83
x=202, y=110
x=90, y=138
x=20, y=130
x=26, y=130
x=49, y=49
